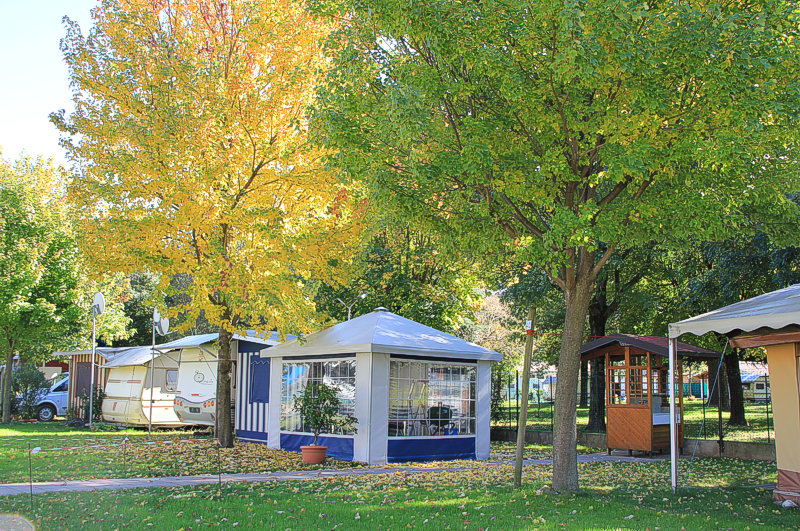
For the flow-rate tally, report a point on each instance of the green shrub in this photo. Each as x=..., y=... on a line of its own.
x=29, y=386
x=318, y=405
x=74, y=413
x=97, y=404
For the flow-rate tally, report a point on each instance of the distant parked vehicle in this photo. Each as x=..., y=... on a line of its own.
x=54, y=402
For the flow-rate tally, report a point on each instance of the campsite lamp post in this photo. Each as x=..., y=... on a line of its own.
x=350, y=306
x=98, y=307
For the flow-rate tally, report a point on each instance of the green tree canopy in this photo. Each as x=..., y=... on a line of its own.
x=404, y=270
x=40, y=280
x=563, y=132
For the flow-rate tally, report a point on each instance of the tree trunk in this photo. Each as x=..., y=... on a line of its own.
x=565, y=436
x=725, y=393
x=598, y=317
x=735, y=389
x=224, y=428
x=584, y=384
x=713, y=383
x=597, y=402
x=7, y=375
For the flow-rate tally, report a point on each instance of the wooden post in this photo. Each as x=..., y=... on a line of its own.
x=523, y=412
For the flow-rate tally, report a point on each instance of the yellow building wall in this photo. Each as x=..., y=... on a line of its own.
x=786, y=404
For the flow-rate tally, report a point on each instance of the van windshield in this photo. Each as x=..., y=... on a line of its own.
x=61, y=386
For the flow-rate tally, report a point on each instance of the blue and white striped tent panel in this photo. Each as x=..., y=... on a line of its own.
x=251, y=416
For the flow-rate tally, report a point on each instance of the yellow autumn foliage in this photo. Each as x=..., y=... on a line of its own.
x=189, y=138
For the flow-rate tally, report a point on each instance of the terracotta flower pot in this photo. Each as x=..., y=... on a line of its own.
x=314, y=455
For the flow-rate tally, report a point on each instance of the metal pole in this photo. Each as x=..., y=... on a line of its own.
x=516, y=390
x=510, y=414
x=703, y=400
x=350, y=306
x=152, y=374
x=522, y=422
x=767, y=400
x=91, y=368
x=552, y=408
x=673, y=428
x=219, y=467
x=720, y=442
x=30, y=473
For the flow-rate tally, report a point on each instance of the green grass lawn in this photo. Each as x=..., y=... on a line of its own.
x=614, y=496
x=56, y=432
x=68, y=454
x=74, y=454
x=756, y=413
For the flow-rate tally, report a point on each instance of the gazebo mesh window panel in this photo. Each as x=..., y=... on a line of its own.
x=295, y=378
x=430, y=399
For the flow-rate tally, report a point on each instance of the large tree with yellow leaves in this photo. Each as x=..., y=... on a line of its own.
x=191, y=156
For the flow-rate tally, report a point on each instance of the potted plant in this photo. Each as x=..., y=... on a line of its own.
x=318, y=406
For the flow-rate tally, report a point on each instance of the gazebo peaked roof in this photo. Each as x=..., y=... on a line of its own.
x=382, y=331
x=653, y=344
x=775, y=310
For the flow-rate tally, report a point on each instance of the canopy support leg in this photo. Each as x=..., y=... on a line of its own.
x=673, y=428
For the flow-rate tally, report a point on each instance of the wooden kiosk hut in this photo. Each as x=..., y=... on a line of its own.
x=637, y=394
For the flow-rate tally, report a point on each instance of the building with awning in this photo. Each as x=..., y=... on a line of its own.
x=772, y=321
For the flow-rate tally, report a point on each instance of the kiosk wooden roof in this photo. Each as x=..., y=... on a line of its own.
x=652, y=344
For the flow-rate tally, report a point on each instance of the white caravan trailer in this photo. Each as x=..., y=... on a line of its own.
x=195, y=401
x=129, y=387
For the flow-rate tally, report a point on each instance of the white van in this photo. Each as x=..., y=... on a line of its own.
x=54, y=402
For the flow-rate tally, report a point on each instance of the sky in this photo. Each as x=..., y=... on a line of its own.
x=33, y=76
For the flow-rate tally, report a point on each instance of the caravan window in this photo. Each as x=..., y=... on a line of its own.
x=171, y=380
x=431, y=399
x=295, y=378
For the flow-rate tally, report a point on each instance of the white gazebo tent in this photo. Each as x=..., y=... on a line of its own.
x=771, y=320
x=416, y=392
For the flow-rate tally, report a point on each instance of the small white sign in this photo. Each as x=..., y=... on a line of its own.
x=528, y=325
